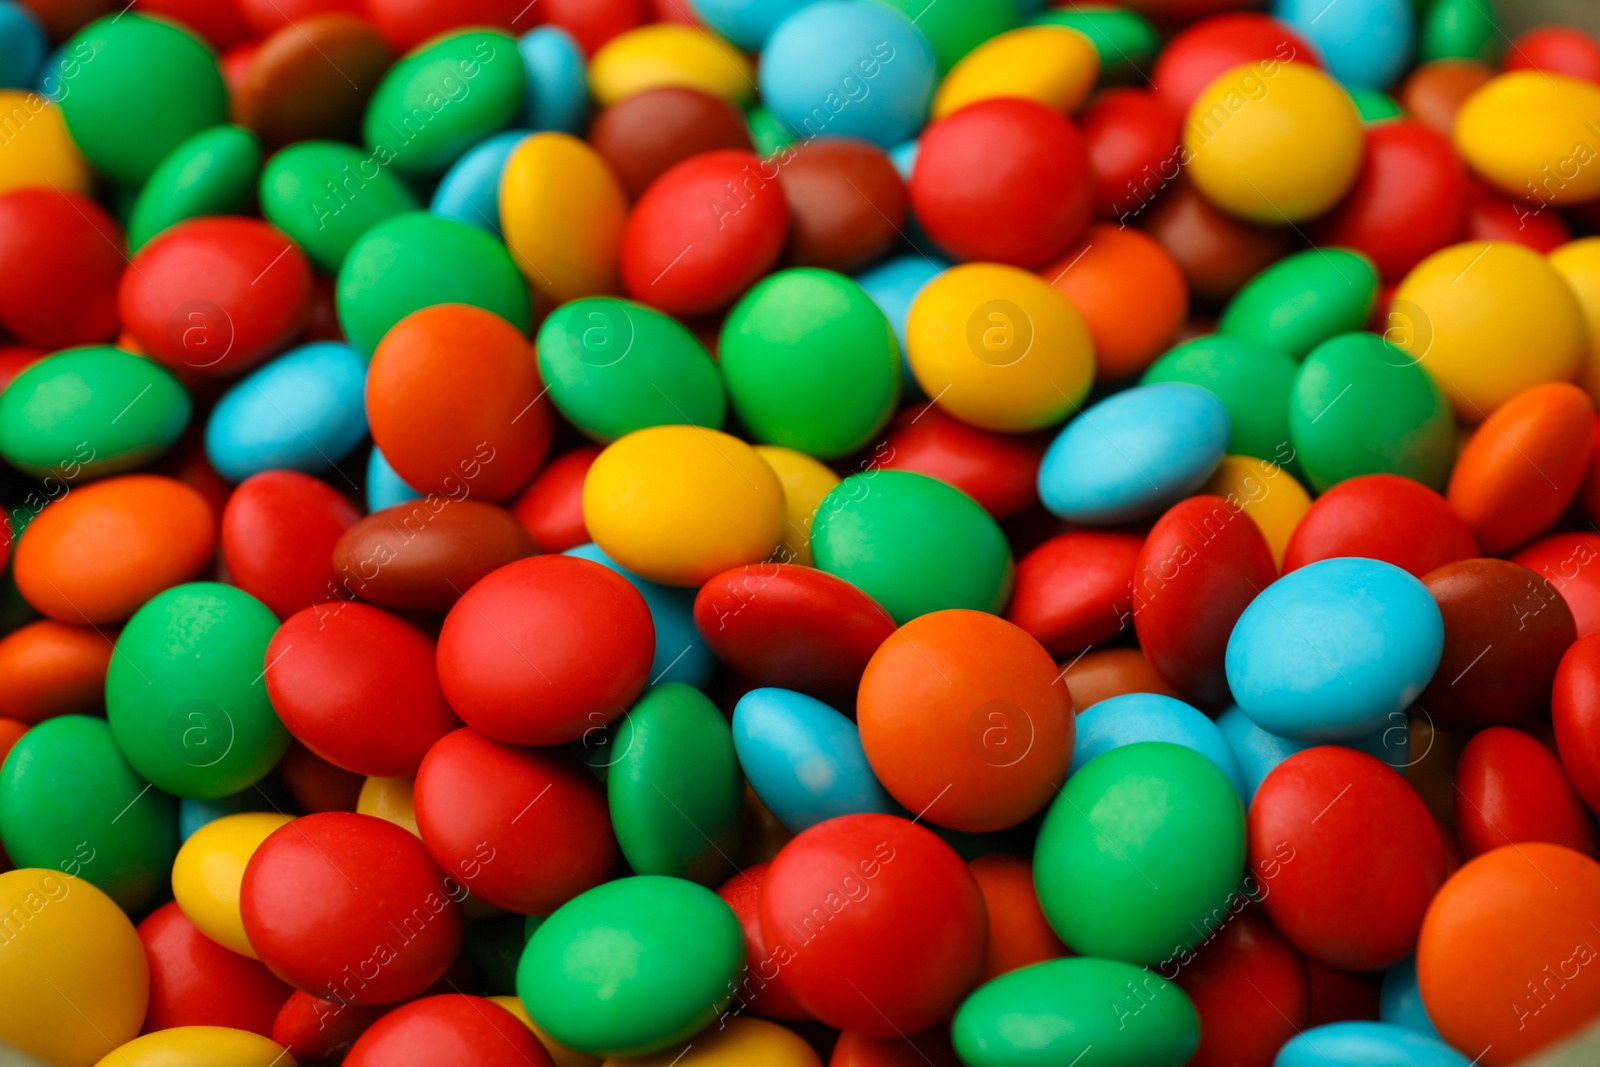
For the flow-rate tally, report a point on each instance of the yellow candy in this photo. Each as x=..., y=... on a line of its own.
x=561, y=210
x=1579, y=263
x=1488, y=319
x=1535, y=136
x=389, y=799
x=805, y=482
x=73, y=978
x=34, y=146
x=679, y=504
x=200, y=1046
x=209, y=868
x=1051, y=64
x=559, y=1053
x=743, y=1041
x=1273, y=142
x=999, y=348
x=669, y=53
x=1262, y=490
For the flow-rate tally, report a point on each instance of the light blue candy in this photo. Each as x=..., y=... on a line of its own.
x=1364, y=43
x=843, y=68
x=557, y=96
x=1331, y=651
x=746, y=23
x=1400, y=1002
x=681, y=653
x=193, y=814
x=1134, y=454
x=22, y=46
x=904, y=158
x=1258, y=751
x=384, y=487
x=804, y=759
x=469, y=192
x=1366, y=1045
x=893, y=285
x=1135, y=717
x=304, y=411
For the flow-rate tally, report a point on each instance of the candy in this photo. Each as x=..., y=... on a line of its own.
x=805, y=482
x=562, y=210
x=646, y=134
x=60, y=263
x=42, y=150
x=209, y=869
x=296, y=197
x=1138, y=717
x=1252, y=378
x=1541, y=806
x=847, y=203
x=1367, y=43
x=52, y=669
x=681, y=653
x=294, y=86
x=1544, y=160
x=650, y=57
x=211, y=173
x=1131, y=295
x=1197, y=55
x=1352, y=1043
x=1132, y=141
x=1246, y=954
x=1043, y=63
x=1303, y=300
x=196, y=982
x=303, y=411
x=1383, y=517
x=1573, y=706
x=448, y=1029
x=557, y=94
x=1275, y=503
x=1073, y=591
x=279, y=532
x=1258, y=752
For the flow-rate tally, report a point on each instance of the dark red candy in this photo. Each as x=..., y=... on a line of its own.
x=1351, y=854
x=451, y=1030
x=523, y=829
x=1505, y=631
x=278, y=534
x=761, y=988
x=551, y=508
x=218, y=21
x=315, y=1030
x=784, y=625
x=1217, y=253
x=1249, y=987
x=1339, y=996
x=196, y=982
x=1133, y=148
x=1511, y=789
x=60, y=264
x=407, y=23
x=1575, y=713
x=649, y=133
x=423, y=554
x=1201, y=565
x=1381, y=516
x=1492, y=217
x=1000, y=471
x=268, y=16
x=1195, y=58
x=1589, y=495
x=847, y=203
x=1076, y=590
x=1571, y=563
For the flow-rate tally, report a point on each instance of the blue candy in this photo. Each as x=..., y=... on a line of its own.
x=384, y=487
x=1366, y=1045
x=193, y=814
x=746, y=23
x=1400, y=1001
x=557, y=96
x=304, y=411
x=1135, y=717
x=1134, y=454
x=893, y=285
x=681, y=653
x=1363, y=43
x=22, y=46
x=1258, y=751
x=469, y=192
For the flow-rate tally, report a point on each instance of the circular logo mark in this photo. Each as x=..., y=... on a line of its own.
x=601, y=336
x=1000, y=333
x=1409, y=331
x=598, y=745
x=200, y=732
x=1000, y=732
x=200, y=332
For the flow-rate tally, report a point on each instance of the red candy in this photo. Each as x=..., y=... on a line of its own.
x=1511, y=789
x=1133, y=142
x=1555, y=50
x=761, y=987
x=407, y=23
x=1575, y=711
x=1076, y=590
x=278, y=533
x=314, y=1029
x=1568, y=562
x=60, y=263
x=551, y=508
x=452, y=1030
x=1249, y=987
x=196, y=982
x=999, y=471
x=1196, y=57
x=1381, y=516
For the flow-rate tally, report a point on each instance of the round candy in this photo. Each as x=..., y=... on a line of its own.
x=1258, y=752
x=1132, y=138
x=632, y=966
x=315, y=1028
x=196, y=982
x=1275, y=502
x=1249, y=987
x=1134, y=453
x=1574, y=708
x=894, y=284
x=678, y=504
x=649, y=57
x=681, y=654
x=22, y=45
x=1511, y=789
x=278, y=535
x=196, y=1046
x=296, y=83
x=350, y=907
x=384, y=558
x=562, y=212
x=999, y=471
x=762, y=989
x=810, y=362
x=643, y=136
x=408, y=23
x=544, y=650
x=1563, y=559
x=1073, y=591
x=1253, y=379
x=44, y=151
x=211, y=173
x=209, y=869
x=1365, y=44
x=1136, y=717
x=551, y=508
x=1332, y=808
x=1385, y=517
x=452, y=1030
x=60, y=261
x=1401, y=1001
x=1019, y=934
x=295, y=197
x=469, y=192
x=1105, y=673
x=1216, y=252
x=1518, y=157
x=805, y=482
x=1210, y=47
x=1050, y=64
x=303, y=411
x=847, y=202
x=1303, y=300
x=1362, y=1044
x=52, y=669
x=1131, y=295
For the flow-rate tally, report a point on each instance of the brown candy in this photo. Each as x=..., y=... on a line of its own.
x=1111, y=672
x=647, y=134
x=846, y=202
x=423, y=554
x=1435, y=91
x=312, y=80
x=1216, y=253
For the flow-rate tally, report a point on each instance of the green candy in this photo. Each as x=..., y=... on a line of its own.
x=614, y=366
x=89, y=412
x=1459, y=29
x=1052, y=1013
x=632, y=966
x=146, y=86
x=956, y=27
x=1125, y=40
x=325, y=195
x=442, y=99
x=1362, y=406
x=211, y=173
x=1304, y=299
x=186, y=693
x=912, y=543
x=675, y=793
x=70, y=802
x=767, y=132
x=1141, y=853
x=1250, y=378
x=1374, y=105
x=811, y=363
x=416, y=260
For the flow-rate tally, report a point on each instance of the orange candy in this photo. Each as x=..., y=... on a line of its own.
x=1019, y=934
x=1111, y=672
x=50, y=668
x=103, y=549
x=1524, y=465
x=455, y=403
x=1130, y=293
x=1509, y=950
x=964, y=720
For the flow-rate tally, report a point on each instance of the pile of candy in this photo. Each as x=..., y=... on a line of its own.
x=762, y=533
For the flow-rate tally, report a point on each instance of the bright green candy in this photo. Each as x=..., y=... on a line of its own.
x=1374, y=104
x=614, y=366
x=1052, y=1013
x=1250, y=378
x=70, y=802
x=147, y=86
x=1459, y=29
x=1304, y=299
x=186, y=695
x=1140, y=854
x=767, y=133
x=912, y=543
x=1125, y=40
x=211, y=173
x=442, y=99
x=325, y=195
x=416, y=260
x=1362, y=406
x=675, y=792
x=632, y=966
x=811, y=363
x=956, y=27
x=93, y=411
